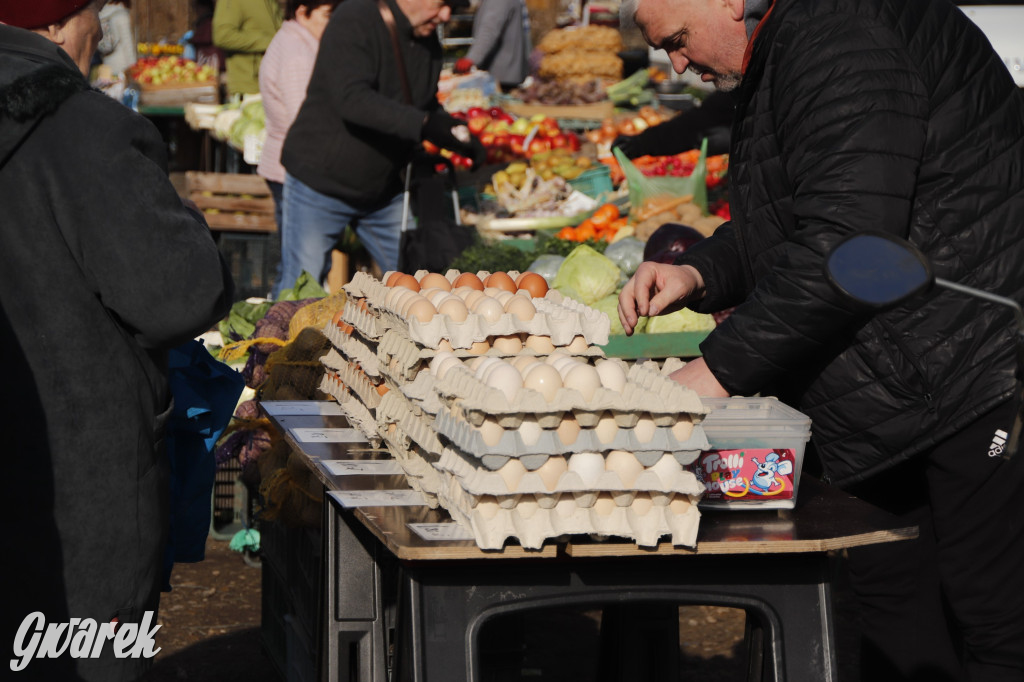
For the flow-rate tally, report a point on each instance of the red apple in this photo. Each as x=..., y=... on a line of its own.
x=515, y=143
x=478, y=123
x=558, y=141
x=538, y=145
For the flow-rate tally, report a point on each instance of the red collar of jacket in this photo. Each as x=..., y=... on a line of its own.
x=753, y=37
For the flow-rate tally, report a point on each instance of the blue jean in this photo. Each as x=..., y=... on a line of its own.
x=314, y=223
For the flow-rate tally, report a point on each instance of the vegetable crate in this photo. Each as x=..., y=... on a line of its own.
x=594, y=181
x=240, y=212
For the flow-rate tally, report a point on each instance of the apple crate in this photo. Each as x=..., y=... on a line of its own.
x=177, y=94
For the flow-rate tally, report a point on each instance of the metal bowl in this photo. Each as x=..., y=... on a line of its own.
x=678, y=101
x=669, y=87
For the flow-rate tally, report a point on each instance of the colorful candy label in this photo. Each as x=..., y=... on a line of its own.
x=751, y=474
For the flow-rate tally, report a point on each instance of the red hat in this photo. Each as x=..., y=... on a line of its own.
x=36, y=13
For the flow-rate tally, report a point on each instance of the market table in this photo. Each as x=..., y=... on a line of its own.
x=388, y=569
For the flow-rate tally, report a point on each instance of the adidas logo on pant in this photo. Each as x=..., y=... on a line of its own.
x=998, y=441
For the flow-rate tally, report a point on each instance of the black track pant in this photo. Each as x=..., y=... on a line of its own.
x=949, y=605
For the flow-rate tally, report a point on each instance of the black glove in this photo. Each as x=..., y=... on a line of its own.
x=625, y=144
x=445, y=131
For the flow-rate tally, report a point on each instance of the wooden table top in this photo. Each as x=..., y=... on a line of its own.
x=824, y=518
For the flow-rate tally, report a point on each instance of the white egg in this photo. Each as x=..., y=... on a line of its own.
x=503, y=297
x=644, y=429
x=563, y=365
x=491, y=432
x=507, y=379
x=523, y=362
x=511, y=472
x=446, y=366
x=473, y=297
x=554, y=295
x=555, y=356
x=551, y=471
x=588, y=465
x=445, y=344
x=480, y=368
x=545, y=380
x=667, y=468
x=529, y=431
x=489, y=309
x=612, y=376
x=438, y=358
x=463, y=291
x=606, y=428
x=527, y=506
x=584, y=379
x=479, y=347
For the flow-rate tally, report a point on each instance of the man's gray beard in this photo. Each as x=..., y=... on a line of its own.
x=728, y=82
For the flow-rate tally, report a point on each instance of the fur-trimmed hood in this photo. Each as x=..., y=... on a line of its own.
x=36, y=76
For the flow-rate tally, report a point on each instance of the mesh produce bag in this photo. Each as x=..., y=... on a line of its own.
x=642, y=188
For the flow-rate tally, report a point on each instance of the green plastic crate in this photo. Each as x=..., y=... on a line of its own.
x=655, y=346
x=594, y=181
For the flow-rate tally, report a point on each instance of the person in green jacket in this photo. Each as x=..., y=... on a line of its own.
x=244, y=29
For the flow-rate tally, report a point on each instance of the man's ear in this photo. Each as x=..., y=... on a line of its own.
x=736, y=8
x=53, y=32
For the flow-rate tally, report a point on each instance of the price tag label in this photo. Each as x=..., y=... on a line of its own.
x=328, y=435
x=355, y=467
x=377, y=498
x=441, y=531
x=284, y=408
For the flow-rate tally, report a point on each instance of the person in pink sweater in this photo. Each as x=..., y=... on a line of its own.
x=284, y=74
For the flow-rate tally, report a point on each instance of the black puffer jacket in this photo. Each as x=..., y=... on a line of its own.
x=855, y=115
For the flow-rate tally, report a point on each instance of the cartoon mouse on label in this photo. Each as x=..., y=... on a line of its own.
x=765, y=476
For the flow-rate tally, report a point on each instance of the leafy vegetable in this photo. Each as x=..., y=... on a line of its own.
x=547, y=266
x=587, y=275
x=241, y=320
x=609, y=305
x=627, y=254
x=305, y=286
x=550, y=244
x=492, y=256
x=683, y=320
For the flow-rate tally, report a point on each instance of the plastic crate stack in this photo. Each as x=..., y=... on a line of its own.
x=502, y=408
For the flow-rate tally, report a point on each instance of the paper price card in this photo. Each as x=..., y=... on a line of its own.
x=328, y=435
x=441, y=531
x=377, y=498
x=282, y=408
x=356, y=467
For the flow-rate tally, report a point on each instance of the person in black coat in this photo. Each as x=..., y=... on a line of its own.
x=103, y=270
x=891, y=115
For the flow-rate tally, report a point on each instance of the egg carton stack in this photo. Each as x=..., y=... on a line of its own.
x=538, y=449
x=501, y=407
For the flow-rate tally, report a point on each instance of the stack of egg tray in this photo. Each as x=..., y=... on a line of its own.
x=432, y=427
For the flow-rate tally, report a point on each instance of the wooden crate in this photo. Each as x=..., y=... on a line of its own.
x=232, y=202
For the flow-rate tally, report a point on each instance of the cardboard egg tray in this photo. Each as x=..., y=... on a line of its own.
x=645, y=391
x=356, y=412
x=469, y=438
x=406, y=357
x=562, y=322
x=355, y=349
x=666, y=476
x=352, y=377
x=641, y=517
x=422, y=476
x=395, y=409
x=367, y=323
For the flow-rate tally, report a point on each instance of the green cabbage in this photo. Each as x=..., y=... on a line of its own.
x=684, y=320
x=609, y=305
x=587, y=276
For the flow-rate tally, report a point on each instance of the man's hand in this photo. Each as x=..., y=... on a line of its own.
x=448, y=132
x=462, y=65
x=653, y=288
x=696, y=376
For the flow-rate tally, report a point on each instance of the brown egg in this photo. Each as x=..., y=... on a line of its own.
x=536, y=285
x=392, y=278
x=422, y=310
x=500, y=280
x=407, y=281
x=468, y=279
x=433, y=279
